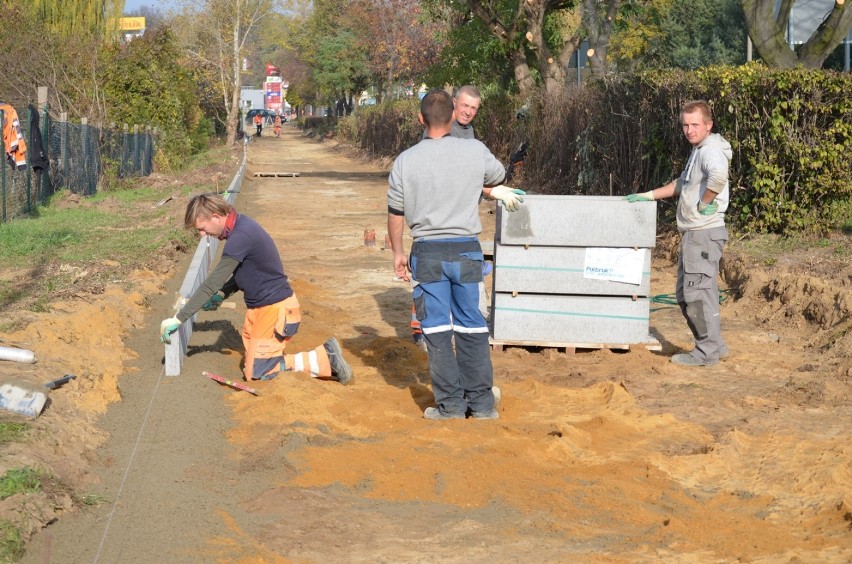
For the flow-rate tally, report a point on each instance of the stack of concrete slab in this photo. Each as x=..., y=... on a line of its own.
x=573, y=271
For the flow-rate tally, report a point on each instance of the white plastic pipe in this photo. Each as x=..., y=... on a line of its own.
x=17, y=355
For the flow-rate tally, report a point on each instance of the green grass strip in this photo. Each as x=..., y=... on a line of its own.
x=19, y=480
x=11, y=432
x=11, y=542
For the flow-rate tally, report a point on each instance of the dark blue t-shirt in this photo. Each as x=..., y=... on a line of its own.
x=260, y=274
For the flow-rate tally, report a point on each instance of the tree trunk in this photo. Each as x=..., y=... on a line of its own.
x=234, y=106
x=380, y=88
x=523, y=76
x=598, y=17
x=768, y=32
x=827, y=37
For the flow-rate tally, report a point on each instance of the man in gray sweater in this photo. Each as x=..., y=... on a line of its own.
x=434, y=188
x=466, y=104
x=704, y=195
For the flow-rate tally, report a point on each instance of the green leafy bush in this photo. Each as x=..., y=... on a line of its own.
x=790, y=130
x=145, y=83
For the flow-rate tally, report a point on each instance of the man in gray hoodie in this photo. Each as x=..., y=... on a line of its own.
x=704, y=195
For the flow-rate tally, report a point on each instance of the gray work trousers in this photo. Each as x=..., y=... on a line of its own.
x=698, y=289
x=461, y=378
x=449, y=272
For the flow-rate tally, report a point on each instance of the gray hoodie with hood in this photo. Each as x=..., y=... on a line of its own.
x=707, y=167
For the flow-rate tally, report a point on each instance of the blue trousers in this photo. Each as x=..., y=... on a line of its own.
x=446, y=299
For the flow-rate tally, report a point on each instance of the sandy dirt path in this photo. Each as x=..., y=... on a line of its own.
x=600, y=456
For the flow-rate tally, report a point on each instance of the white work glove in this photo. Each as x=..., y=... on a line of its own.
x=511, y=197
x=167, y=327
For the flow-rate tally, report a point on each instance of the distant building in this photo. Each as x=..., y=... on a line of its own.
x=251, y=98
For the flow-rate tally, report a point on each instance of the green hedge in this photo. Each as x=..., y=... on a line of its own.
x=383, y=130
x=388, y=129
x=790, y=130
x=145, y=82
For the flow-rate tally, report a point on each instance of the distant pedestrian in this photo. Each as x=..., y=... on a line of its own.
x=258, y=123
x=276, y=125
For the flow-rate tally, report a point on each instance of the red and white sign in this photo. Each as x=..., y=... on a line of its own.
x=272, y=95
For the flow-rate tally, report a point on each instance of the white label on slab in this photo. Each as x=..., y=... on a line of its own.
x=619, y=265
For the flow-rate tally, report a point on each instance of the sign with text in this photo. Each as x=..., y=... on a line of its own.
x=619, y=265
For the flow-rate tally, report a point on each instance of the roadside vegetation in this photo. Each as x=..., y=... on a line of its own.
x=15, y=481
x=75, y=245
x=12, y=431
x=23, y=481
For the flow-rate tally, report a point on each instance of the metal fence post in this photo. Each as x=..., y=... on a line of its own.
x=44, y=188
x=87, y=169
x=28, y=207
x=146, y=158
x=63, y=146
x=137, y=162
x=124, y=136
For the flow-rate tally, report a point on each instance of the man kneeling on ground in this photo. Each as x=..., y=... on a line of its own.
x=250, y=262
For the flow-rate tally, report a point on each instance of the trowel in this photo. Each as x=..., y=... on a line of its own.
x=27, y=398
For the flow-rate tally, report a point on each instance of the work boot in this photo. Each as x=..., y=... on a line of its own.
x=724, y=353
x=435, y=413
x=686, y=359
x=340, y=369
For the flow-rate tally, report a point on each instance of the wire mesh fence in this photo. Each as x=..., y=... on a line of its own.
x=77, y=154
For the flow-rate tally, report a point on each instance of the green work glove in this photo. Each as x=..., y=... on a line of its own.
x=167, y=327
x=213, y=303
x=511, y=197
x=707, y=209
x=640, y=197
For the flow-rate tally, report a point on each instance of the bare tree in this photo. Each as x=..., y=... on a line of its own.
x=768, y=32
x=215, y=33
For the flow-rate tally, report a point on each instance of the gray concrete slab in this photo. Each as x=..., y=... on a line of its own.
x=579, y=221
x=558, y=270
x=566, y=319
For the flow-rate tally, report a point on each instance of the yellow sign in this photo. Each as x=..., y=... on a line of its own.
x=131, y=24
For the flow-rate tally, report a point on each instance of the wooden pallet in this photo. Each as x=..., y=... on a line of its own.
x=275, y=174
x=571, y=348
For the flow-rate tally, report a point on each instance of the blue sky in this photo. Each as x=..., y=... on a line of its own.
x=132, y=5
